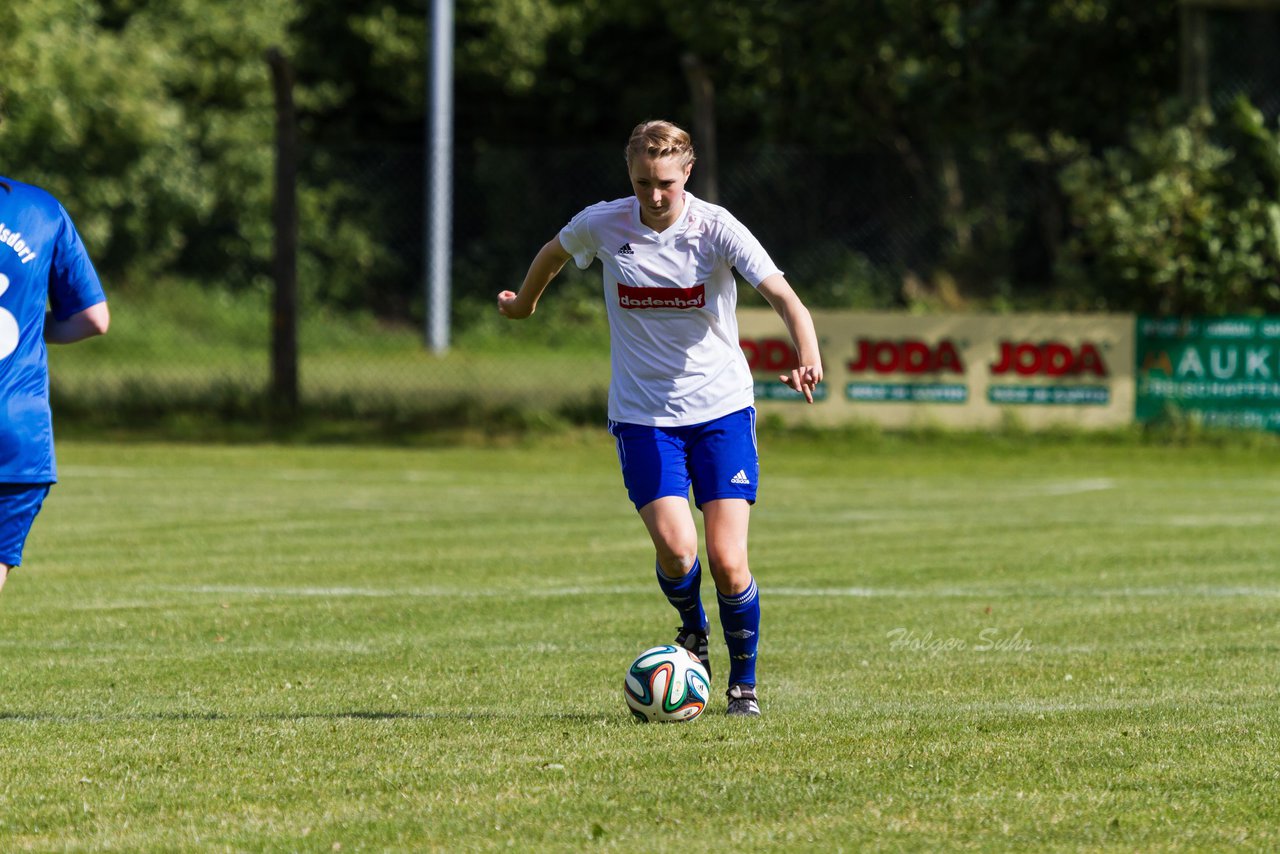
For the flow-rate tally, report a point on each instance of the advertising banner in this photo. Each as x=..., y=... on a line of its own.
x=1223, y=371
x=958, y=370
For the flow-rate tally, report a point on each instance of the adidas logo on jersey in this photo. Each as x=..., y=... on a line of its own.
x=626, y=249
x=740, y=478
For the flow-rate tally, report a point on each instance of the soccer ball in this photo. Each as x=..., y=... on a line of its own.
x=668, y=684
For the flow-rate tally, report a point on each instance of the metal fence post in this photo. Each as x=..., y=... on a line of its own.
x=284, y=320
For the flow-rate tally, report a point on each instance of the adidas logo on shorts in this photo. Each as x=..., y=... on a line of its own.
x=740, y=478
x=626, y=250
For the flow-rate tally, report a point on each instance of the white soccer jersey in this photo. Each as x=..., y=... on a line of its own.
x=671, y=300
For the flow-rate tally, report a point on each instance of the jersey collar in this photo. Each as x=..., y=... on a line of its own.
x=668, y=233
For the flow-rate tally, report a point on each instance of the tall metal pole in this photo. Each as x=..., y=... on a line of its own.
x=440, y=175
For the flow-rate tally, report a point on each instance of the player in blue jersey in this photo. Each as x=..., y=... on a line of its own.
x=49, y=291
x=681, y=394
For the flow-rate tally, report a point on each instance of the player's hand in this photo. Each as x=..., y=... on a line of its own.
x=509, y=306
x=804, y=379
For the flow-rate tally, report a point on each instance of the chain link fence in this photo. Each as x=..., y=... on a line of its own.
x=843, y=227
x=1243, y=57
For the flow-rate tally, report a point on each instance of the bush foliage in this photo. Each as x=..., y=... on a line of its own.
x=1183, y=219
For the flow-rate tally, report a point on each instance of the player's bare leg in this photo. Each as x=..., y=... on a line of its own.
x=4, y=574
x=727, y=520
x=675, y=539
x=674, y=535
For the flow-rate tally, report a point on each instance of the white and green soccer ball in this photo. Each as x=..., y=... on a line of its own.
x=666, y=684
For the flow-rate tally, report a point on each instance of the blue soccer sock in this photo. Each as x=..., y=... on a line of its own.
x=740, y=619
x=685, y=596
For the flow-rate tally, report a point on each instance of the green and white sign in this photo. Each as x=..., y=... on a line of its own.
x=1222, y=370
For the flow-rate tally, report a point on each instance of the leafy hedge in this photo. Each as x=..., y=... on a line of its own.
x=1183, y=219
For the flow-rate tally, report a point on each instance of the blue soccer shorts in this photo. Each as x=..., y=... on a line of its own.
x=718, y=459
x=19, y=504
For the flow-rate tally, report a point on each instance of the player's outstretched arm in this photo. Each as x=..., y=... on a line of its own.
x=787, y=304
x=94, y=320
x=546, y=265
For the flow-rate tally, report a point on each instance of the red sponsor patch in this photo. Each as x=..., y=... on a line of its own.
x=630, y=296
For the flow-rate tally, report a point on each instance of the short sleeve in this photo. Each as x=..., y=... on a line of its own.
x=73, y=282
x=578, y=239
x=744, y=253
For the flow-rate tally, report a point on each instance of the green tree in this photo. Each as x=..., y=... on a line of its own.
x=1184, y=218
x=152, y=122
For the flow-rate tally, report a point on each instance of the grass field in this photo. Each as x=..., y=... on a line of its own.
x=969, y=643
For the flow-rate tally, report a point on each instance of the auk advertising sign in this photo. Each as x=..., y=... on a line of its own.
x=1223, y=370
x=954, y=370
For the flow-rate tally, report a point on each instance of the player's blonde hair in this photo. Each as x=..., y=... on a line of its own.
x=659, y=139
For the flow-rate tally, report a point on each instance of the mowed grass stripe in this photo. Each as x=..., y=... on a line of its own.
x=1180, y=593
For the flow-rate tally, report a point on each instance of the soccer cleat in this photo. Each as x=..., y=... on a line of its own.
x=742, y=701
x=696, y=642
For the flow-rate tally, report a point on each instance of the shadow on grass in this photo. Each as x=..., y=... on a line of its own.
x=355, y=715
x=229, y=413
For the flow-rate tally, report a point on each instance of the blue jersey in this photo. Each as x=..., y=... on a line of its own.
x=43, y=266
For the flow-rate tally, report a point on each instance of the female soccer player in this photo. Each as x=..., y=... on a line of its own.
x=43, y=265
x=681, y=395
